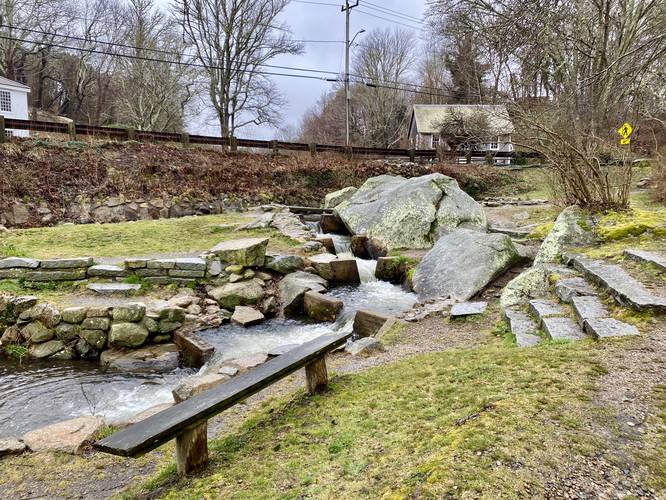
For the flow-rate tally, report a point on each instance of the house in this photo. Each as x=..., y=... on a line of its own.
x=14, y=103
x=428, y=120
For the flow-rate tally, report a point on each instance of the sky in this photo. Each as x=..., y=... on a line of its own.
x=313, y=21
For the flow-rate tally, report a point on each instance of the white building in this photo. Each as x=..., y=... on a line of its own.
x=14, y=103
x=426, y=124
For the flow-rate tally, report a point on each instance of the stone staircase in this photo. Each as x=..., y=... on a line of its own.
x=573, y=310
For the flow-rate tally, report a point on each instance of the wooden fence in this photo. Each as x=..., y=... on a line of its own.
x=127, y=134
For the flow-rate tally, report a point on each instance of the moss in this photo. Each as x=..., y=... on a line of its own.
x=619, y=225
x=542, y=230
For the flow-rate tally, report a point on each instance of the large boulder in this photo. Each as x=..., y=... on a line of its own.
x=249, y=252
x=573, y=227
x=410, y=213
x=462, y=263
x=70, y=436
x=334, y=199
x=293, y=288
x=237, y=294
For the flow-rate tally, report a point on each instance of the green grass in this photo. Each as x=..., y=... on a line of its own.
x=128, y=239
x=475, y=423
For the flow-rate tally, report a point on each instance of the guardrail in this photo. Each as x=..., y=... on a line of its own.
x=128, y=134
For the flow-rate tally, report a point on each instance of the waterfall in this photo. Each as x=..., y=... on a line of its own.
x=366, y=270
x=314, y=226
x=342, y=245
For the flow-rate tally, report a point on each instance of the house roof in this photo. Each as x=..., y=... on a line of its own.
x=6, y=82
x=429, y=117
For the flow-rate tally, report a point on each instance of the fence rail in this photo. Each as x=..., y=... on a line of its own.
x=74, y=130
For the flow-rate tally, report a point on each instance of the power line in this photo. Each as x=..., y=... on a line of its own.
x=389, y=20
x=374, y=6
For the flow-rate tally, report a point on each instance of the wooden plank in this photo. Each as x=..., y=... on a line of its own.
x=166, y=425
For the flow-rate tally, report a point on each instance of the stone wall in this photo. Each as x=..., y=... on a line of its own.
x=113, y=209
x=85, y=332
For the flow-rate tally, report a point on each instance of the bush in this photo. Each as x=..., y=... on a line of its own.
x=659, y=181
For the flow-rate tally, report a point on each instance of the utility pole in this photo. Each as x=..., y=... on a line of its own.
x=347, y=10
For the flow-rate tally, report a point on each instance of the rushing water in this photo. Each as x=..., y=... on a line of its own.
x=34, y=394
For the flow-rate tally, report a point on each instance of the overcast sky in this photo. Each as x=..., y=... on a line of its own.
x=323, y=22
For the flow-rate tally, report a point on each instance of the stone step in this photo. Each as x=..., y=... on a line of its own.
x=562, y=328
x=588, y=307
x=524, y=328
x=601, y=328
x=544, y=308
x=113, y=288
x=568, y=288
x=657, y=260
x=626, y=290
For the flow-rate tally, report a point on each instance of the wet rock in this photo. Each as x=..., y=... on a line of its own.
x=154, y=358
x=70, y=436
x=365, y=347
x=321, y=307
x=322, y=264
x=410, y=213
x=246, y=316
x=248, y=252
x=293, y=288
x=127, y=335
x=462, y=263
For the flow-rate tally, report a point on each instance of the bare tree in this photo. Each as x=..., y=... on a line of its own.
x=385, y=61
x=233, y=39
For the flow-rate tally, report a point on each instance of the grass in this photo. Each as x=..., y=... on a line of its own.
x=131, y=239
x=478, y=423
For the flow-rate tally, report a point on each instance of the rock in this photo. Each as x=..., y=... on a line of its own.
x=73, y=274
x=462, y=263
x=327, y=243
x=235, y=278
x=136, y=263
x=523, y=327
x=250, y=252
x=172, y=314
x=562, y=328
x=11, y=446
x=197, y=384
x=567, y=289
x=391, y=269
x=73, y=315
x=293, y=288
x=234, y=269
x=154, y=358
x=270, y=307
x=262, y=222
x=331, y=223
x=602, y=328
x=36, y=332
x=229, y=371
x=334, y=199
x=97, y=312
x=246, y=316
x=468, y=309
x=18, y=262
x=46, y=349
x=410, y=213
x=359, y=247
x=572, y=228
x=127, y=335
x=11, y=335
x=66, y=263
x=589, y=307
x=312, y=246
x=653, y=258
x=68, y=437
x=113, y=288
x=95, y=338
x=237, y=294
x=48, y=315
x=106, y=271
x=96, y=324
x=345, y=271
x=190, y=264
x=322, y=264
x=365, y=347
x=546, y=309
x=530, y=284
x=247, y=362
x=67, y=332
x=153, y=410
x=321, y=307
x=370, y=323
x=284, y=264
x=130, y=313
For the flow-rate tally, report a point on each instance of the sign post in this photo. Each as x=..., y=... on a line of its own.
x=625, y=131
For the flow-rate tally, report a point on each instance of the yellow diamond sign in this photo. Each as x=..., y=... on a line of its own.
x=625, y=131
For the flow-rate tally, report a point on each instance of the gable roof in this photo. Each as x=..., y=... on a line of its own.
x=429, y=117
x=6, y=82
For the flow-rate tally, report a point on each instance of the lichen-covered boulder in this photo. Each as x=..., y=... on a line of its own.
x=334, y=199
x=36, y=332
x=250, y=252
x=129, y=313
x=573, y=227
x=127, y=335
x=410, y=213
x=46, y=349
x=237, y=294
x=284, y=264
x=462, y=263
x=532, y=283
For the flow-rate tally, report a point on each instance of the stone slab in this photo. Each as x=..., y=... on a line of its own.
x=626, y=289
x=66, y=263
x=514, y=232
x=463, y=309
x=562, y=328
x=194, y=350
x=345, y=271
x=321, y=307
x=106, y=271
x=113, y=288
x=246, y=316
x=601, y=328
x=543, y=308
x=72, y=274
x=18, y=262
x=368, y=323
x=568, y=288
x=589, y=307
x=657, y=260
x=524, y=328
x=69, y=437
x=249, y=252
x=365, y=347
x=191, y=264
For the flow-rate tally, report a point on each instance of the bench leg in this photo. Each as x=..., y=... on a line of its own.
x=317, y=376
x=192, y=450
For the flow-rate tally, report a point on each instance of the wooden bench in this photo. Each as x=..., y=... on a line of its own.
x=187, y=422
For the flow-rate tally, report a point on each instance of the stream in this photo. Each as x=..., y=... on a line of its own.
x=34, y=394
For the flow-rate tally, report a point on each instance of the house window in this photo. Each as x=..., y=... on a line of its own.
x=494, y=144
x=5, y=101
x=435, y=141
